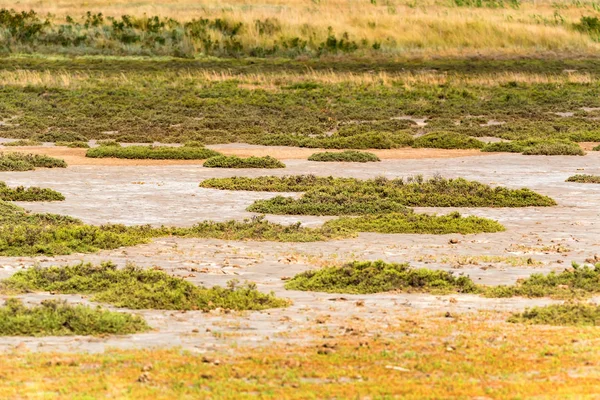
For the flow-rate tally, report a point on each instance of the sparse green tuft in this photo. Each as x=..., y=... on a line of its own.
x=569, y=314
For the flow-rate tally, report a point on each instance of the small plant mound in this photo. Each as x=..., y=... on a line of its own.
x=576, y=314
x=23, y=142
x=410, y=222
x=367, y=140
x=537, y=147
x=28, y=162
x=597, y=148
x=152, y=152
x=238, y=162
x=584, y=179
x=344, y=156
x=21, y=193
x=578, y=281
x=378, y=276
x=57, y=318
x=447, y=140
x=73, y=145
x=108, y=143
x=136, y=288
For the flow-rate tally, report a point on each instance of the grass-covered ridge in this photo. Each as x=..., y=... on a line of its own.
x=21, y=193
x=238, y=162
x=560, y=315
x=346, y=196
x=28, y=162
x=447, y=140
x=581, y=178
x=136, y=288
x=378, y=276
x=344, y=156
x=151, y=152
x=56, y=318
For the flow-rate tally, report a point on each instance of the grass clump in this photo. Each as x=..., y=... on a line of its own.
x=578, y=281
x=447, y=140
x=344, y=156
x=28, y=162
x=377, y=276
x=367, y=140
x=410, y=222
x=584, y=179
x=73, y=145
x=554, y=148
x=21, y=193
x=23, y=142
x=57, y=318
x=569, y=314
x=238, y=162
x=151, y=152
x=137, y=288
x=597, y=148
x=108, y=143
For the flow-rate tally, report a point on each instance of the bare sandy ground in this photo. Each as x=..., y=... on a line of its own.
x=169, y=194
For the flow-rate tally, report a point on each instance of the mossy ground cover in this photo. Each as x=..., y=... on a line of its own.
x=57, y=318
x=584, y=178
x=151, y=152
x=344, y=156
x=239, y=162
x=560, y=314
x=21, y=193
x=28, y=162
x=137, y=288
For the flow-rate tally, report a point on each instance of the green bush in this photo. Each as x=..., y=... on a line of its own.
x=108, y=143
x=344, y=156
x=21, y=193
x=73, y=145
x=584, y=179
x=573, y=314
x=137, y=288
x=56, y=318
x=447, y=140
x=151, y=152
x=410, y=222
x=505, y=147
x=23, y=142
x=28, y=162
x=368, y=140
x=554, y=148
x=237, y=162
x=377, y=276
x=60, y=136
x=597, y=148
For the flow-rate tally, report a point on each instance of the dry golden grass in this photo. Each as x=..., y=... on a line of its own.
x=425, y=28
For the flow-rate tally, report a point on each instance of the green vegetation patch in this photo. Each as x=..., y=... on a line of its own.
x=578, y=281
x=537, y=147
x=151, y=152
x=21, y=193
x=238, y=162
x=137, y=288
x=410, y=222
x=367, y=140
x=378, y=276
x=447, y=140
x=57, y=318
x=584, y=179
x=25, y=234
x=28, y=162
x=597, y=148
x=344, y=156
x=73, y=145
x=568, y=314
x=23, y=142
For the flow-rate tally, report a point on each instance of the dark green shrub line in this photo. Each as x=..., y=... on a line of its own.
x=56, y=318
x=137, y=288
x=151, y=152
x=584, y=179
x=410, y=222
x=377, y=276
x=344, y=156
x=23, y=142
x=73, y=145
x=537, y=147
x=569, y=314
x=368, y=140
x=28, y=162
x=237, y=162
x=21, y=193
x=447, y=140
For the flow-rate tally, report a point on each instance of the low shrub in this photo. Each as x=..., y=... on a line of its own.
x=377, y=276
x=344, y=156
x=21, y=193
x=573, y=314
x=137, y=288
x=28, y=162
x=367, y=140
x=410, y=222
x=57, y=318
x=554, y=148
x=597, y=148
x=584, y=179
x=447, y=140
x=151, y=152
x=288, y=183
x=108, y=143
x=237, y=162
x=514, y=146
x=73, y=145
x=60, y=136
x=23, y=142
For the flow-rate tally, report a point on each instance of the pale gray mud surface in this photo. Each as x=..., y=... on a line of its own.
x=551, y=237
